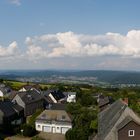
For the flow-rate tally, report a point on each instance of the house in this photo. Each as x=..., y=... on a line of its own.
x=104, y=101
x=10, y=113
x=54, y=121
x=49, y=103
x=30, y=87
x=4, y=90
x=29, y=100
x=118, y=122
x=56, y=96
x=47, y=99
x=70, y=96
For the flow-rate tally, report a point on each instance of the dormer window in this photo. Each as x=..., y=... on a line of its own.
x=131, y=133
x=63, y=117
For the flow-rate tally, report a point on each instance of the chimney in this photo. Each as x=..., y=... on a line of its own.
x=125, y=100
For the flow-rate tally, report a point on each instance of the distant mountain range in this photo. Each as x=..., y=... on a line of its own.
x=114, y=77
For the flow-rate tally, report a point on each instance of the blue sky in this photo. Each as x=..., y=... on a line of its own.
x=85, y=24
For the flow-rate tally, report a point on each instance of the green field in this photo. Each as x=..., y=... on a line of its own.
x=17, y=85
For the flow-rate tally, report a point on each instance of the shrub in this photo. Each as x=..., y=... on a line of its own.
x=28, y=131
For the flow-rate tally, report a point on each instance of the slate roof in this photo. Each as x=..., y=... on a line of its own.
x=17, y=107
x=30, y=96
x=57, y=106
x=103, y=101
x=9, y=109
x=57, y=95
x=108, y=117
x=12, y=95
x=47, y=99
x=47, y=92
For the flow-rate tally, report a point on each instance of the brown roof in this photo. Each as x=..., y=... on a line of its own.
x=54, y=115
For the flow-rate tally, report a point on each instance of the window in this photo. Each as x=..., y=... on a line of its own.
x=38, y=126
x=131, y=133
x=63, y=117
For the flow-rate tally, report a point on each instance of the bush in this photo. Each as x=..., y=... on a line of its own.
x=28, y=131
x=71, y=134
x=75, y=134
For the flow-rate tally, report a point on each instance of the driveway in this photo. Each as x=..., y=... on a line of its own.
x=51, y=136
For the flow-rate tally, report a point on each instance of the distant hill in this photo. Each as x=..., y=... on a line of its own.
x=115, y=77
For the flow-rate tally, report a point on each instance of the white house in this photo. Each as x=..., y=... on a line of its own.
x=70, y=96
x=54, y=121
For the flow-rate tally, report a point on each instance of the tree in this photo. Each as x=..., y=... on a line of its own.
x=87, y=99
x=73, y=108
x=32, y=119
x=94, y=125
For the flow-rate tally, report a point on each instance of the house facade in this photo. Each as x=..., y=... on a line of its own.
x=125, y=133
x=118, y=122
x=70, y=97
x=53, y=121
x=30, y=101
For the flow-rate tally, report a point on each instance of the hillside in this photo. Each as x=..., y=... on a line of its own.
x=114, y=77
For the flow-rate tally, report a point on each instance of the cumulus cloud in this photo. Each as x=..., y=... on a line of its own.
x=16, y=2
x=91, y=51
x=10, y=51
x=79, y=45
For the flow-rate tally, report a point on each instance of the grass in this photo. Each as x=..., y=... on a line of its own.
x=17, y=84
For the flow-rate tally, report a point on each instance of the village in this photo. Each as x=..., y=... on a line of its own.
x=33, y=113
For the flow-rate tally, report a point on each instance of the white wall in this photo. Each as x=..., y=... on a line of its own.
x=71, y=98
x=1, y=94
x=54, y=128
x=50, y=95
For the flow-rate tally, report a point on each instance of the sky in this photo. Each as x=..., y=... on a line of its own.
x=70, y=34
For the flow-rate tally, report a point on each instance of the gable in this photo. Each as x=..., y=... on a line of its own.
x=22, y=89
x=1, y=93
x=18, y=100
x=130, y=125
x=124, y=132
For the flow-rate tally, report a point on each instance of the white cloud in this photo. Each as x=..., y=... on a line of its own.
x=78, y=45
x=36, y=52
x=16, y=2
x=71, y=49
x=10, y=51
